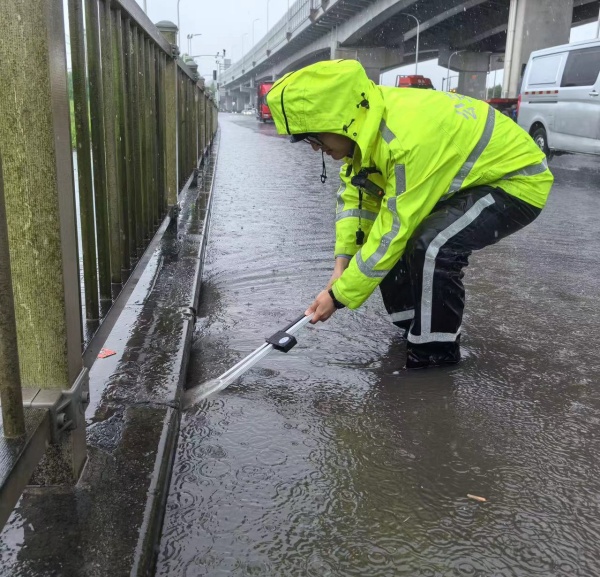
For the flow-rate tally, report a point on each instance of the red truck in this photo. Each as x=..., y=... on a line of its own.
x=413, y=81
x=262, y=110
x=508, y=106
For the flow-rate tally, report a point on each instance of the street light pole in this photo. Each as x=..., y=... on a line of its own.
x=268, y=27
x=189, y=37
x=178, y=26
x=448, y=70
x=253, y=23
x=417, y=46
x=268, y=16
x=243, y=54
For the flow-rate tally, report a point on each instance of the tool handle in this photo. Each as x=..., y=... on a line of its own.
x=288, y=327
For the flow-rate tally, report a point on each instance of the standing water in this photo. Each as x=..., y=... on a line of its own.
x=332, y=461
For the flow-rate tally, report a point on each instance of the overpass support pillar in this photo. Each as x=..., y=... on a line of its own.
x=239, y=101
x=472, y=70
x=372, y=59
x=532, y=25
x=472, y=75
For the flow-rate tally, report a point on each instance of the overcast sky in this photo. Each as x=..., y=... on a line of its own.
x=225, y=24
x=222, y=23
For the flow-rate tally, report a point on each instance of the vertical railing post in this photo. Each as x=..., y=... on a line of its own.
x=190, y=127
x=143, y=102
x=203, y=121
x=111, y=123
x=40, y=208
x=131, y=142
x=148, y=140
x=84, y=160
x=153, y=137
x=162, y=141
x=160, y=184
x=135, y=88
x=180, y=126
x=169, y=31
x=121, y=141
x=98, y=155
x=198, y=92
x=215, y=116
x=13, y=421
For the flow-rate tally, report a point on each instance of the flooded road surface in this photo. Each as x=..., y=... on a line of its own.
x=329, y=461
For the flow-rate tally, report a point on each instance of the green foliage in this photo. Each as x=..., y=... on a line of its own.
x=495, y=92
x=211, y=88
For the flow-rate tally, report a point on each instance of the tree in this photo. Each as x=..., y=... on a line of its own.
x=212, y=88
x=495, y=92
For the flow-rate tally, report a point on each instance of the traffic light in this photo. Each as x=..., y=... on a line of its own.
x=214, y=74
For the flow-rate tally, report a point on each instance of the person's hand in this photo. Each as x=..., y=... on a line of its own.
x=322, y=307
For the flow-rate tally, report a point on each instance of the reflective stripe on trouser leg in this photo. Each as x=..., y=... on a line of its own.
x=440, y=248
x=427, y=335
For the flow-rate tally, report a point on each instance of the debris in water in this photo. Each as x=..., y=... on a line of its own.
x=476, y=498
x=106, y=353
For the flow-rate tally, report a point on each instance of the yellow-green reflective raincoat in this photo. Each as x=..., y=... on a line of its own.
x=418, y=146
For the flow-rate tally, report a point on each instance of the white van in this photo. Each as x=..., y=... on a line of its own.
x=559, y=103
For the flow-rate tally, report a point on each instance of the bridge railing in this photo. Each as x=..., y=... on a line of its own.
x=141, y=123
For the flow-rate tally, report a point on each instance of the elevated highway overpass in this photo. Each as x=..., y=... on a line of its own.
x=470, y=37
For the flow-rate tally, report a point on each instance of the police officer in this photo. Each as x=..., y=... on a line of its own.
x=428, y=178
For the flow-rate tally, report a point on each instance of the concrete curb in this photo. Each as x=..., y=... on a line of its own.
x=150, y=532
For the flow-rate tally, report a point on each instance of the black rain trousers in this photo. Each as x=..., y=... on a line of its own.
x=424, y=293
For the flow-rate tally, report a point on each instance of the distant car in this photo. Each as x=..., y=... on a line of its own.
x=248, y=112
x=559, y=103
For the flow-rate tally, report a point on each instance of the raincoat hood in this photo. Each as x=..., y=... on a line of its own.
x=331, y=96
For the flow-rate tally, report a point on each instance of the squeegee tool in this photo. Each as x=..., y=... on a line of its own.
x=282, y=340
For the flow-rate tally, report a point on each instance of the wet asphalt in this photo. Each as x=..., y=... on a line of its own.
x=331, y=460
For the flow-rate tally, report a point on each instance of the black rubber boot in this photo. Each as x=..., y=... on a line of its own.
x=432, y=354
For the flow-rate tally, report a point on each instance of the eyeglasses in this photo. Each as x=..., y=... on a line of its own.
x=313, y=140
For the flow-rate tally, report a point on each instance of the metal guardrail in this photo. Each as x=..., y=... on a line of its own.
x=142, y=123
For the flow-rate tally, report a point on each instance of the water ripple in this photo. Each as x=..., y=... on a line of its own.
x=332, y=461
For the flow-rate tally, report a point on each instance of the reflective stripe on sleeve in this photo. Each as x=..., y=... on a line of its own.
x=400, y=171
x=368, y=267
x=475, y=153
x=364, y=268
x=340, y=199
x=528, y=170
x=364, y=214
x=386, y=133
